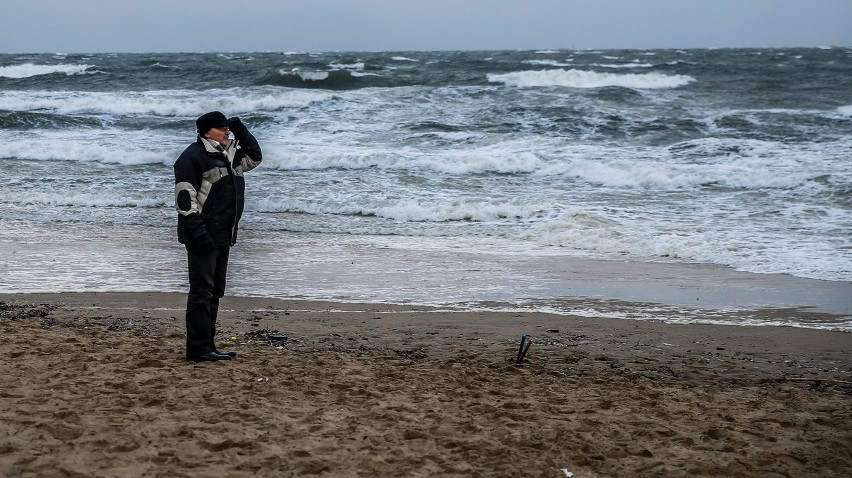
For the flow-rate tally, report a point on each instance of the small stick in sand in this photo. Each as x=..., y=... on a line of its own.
x=522, y=350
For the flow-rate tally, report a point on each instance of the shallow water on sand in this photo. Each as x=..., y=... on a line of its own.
x=430, y=271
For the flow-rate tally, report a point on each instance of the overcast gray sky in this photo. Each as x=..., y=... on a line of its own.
x=73, y=26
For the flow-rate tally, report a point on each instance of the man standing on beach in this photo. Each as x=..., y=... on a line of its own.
x=209, y=198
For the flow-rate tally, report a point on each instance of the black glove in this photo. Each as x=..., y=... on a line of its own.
x=237, y=127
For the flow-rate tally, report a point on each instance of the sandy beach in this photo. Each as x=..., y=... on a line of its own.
x=95, y=385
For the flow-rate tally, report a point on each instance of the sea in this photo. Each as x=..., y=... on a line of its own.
x=570, y=181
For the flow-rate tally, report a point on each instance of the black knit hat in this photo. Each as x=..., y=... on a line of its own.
x=213, y=119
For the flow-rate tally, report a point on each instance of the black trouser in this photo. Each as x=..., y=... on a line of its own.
x=207, y=270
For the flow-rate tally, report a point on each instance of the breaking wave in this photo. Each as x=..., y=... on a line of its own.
x=337, y=79
x=589, y=79
x=27, y=70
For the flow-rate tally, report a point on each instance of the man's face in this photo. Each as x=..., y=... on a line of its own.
x=218, y=134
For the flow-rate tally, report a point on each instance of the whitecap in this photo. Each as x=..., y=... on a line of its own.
x=27, y=70
x=589, y=79
x=62, y=146
x=344, y=66
x=623, y=65
x=188, y=103
x=502, y=158
x=546, y=62
x=66, y=197
x=310, y=75
x=405, y=209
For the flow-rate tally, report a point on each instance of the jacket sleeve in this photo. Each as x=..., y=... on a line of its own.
x=188, y=177
x=251, y=155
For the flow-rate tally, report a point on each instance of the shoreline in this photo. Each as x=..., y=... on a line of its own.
x=750, y=351
x=97, y=386
x=419, y=270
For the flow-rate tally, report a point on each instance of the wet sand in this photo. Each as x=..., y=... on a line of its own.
x=95, y=385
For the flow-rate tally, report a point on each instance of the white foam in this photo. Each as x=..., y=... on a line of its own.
x=735, y=163
x=402, y=58
x=66, y=197
x=652, y=174
x=502, y=158
x=546, y=63
x=187, y=103
x=589, y=79
x=590, y=231
x=347, y=66
x=845, y=110
x=755, y=244
x=27, y=70
x=623, y=65
x=308, y=75
x=436, y=209
x=100, y=146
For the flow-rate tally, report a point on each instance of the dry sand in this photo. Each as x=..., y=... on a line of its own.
x=95, y=384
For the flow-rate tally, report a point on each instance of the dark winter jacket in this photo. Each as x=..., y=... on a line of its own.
x=210, y=188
